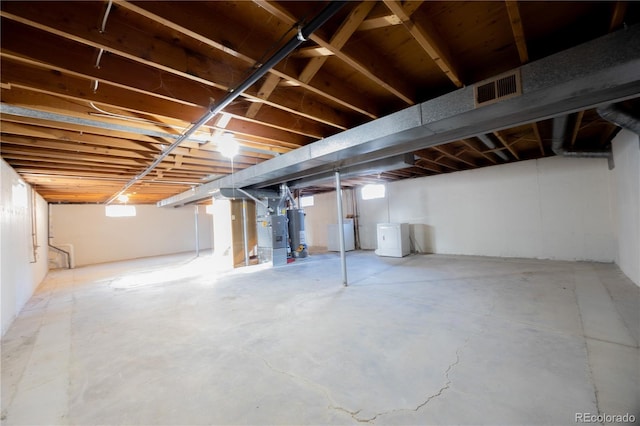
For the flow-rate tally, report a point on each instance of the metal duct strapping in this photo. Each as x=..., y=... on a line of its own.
x=486, y=140
x=558, y=135
x=618, y=115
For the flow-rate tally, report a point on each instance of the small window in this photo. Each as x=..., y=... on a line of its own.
x=19, y=195
x=120, y=210
x=306, y=201
x=373, y=191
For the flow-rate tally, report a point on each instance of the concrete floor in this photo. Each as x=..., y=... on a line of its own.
x=427, y=339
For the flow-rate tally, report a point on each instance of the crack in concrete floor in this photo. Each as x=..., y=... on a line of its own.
x=354, y=414
x=429, y=399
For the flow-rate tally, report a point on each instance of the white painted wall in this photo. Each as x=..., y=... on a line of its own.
x=552, y=208
x=223, y=238
x=626, y=157
x=322, y=213
x=152, y=232
x=555, y=208
x=21, y=268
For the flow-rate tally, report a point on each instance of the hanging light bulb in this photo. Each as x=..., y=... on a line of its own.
x=227, y=145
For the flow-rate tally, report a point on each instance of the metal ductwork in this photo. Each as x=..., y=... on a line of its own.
x=558, y=136
x=601, y=71
x=486, y=140
x=371, y=168
x=558, y=132
x=621, y=117
x=238, y=193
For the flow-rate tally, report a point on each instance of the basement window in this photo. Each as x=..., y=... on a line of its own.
x=120, y=210
x=306, y=201
x=19, y=195
x=373, y=191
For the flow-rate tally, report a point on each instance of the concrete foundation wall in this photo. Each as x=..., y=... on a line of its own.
x=22, y=266
x=154, y=231
x=552, y=208
x=626, y=157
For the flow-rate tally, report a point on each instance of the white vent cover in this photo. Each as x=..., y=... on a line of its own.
x=498, y=88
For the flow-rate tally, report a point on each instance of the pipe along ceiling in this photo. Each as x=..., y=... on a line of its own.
x=261, y=69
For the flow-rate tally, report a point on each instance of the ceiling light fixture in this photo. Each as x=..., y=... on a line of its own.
x=227, y=145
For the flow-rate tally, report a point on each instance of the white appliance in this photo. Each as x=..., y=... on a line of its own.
x=333, y=236
x=393, y=239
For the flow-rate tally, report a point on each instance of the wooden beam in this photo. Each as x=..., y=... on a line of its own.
x=426, y=155
x=445, y=152
x=384, y=77
x=475, y=149
x=43, y=52
x=80, y=138
x=76, y=88
x=379, y=22
x=576, y=127
x=22, y=75
x=429, y=40
x=27, y=126
x=180, y=20
x=166, y=58
x=35, y=144
x=339, y=38
x=513, y=9
x=617, y=17
x=390, y=20
x=424, y=164
x=270, y=83
x=311, y=52
x=507, y=145
x=536, y=132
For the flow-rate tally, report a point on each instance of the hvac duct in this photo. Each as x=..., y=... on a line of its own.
x=486, y=139
x=558, y=134
x=618, y=115
x=601, y=71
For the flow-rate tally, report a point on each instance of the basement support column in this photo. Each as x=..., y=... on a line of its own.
x=197, y=236
x=245, y=232
x=343, y=257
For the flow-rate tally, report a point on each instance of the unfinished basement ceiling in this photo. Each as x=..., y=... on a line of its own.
x=93, y=92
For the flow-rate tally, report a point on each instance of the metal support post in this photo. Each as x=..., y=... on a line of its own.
x=343, y=257
x=245, y=232
x=197, y=233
